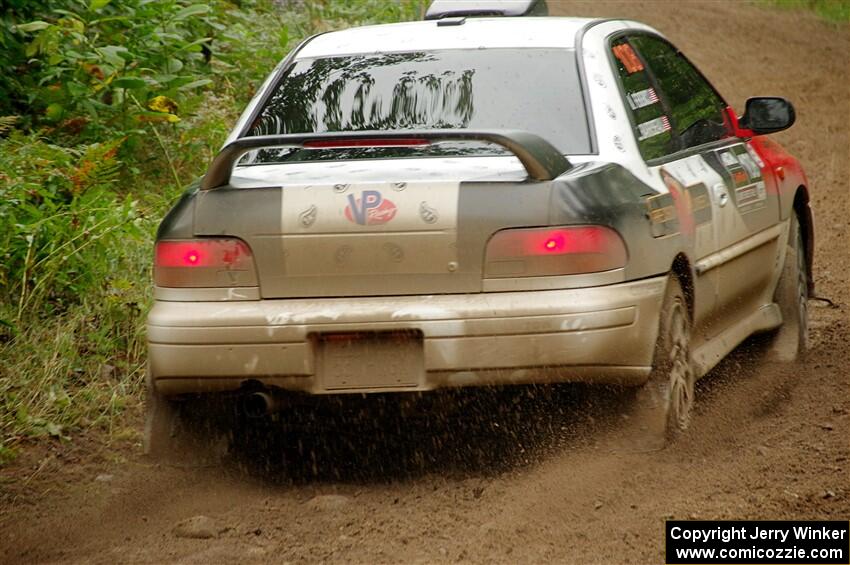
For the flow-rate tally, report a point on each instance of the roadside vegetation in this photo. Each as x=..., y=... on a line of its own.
x=108, y=108
x=834, y=10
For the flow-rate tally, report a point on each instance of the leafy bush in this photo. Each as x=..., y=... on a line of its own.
x=108, y=66
x=119, y=103
x=65, y=228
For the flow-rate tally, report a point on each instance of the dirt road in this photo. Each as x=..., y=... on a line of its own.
x=539, y=481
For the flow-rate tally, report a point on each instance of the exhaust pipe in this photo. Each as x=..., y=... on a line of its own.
x=259, y=404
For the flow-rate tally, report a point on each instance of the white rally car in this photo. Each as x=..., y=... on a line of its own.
x=479, y=201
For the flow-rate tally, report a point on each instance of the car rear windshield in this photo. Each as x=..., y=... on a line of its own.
x=535, y=90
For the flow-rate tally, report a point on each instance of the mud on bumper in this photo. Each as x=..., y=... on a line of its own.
x=599, y=334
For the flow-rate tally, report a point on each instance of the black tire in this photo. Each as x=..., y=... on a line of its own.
x=790, y=341
x=665, y=403
x=183, y=431
x=161, y=427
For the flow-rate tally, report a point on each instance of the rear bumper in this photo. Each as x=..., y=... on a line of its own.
x=604, y=334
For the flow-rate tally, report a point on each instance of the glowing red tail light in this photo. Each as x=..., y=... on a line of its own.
x=531, y=252
x=204, y=263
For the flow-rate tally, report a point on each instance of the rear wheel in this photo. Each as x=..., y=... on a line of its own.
x=791, y=340
x=665, y=402
x=162, y=426
x=187, y=431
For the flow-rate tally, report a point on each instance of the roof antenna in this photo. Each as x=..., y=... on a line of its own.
x=451, y=21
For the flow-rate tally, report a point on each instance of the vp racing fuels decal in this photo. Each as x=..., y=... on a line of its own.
x=370, y=209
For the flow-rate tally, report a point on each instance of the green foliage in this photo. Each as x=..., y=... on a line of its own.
x=79, y=369
x=107, y=107
x=95, y=66
x=73, y=264
x=12, y=51
x=65, y=228
x=834, y=10
x=334, y=14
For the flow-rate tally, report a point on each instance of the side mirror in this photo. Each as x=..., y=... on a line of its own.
x=767, y=114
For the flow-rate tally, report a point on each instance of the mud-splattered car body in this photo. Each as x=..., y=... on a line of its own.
x=543, y=258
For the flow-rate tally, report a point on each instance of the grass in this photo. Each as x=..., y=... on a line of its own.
x=77, y=221
x=833, y=10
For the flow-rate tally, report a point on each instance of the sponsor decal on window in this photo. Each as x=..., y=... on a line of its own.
x=653, y=127
x=628, y=57
x=642, y=98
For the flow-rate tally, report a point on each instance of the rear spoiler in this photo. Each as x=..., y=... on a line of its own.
x=541, y=160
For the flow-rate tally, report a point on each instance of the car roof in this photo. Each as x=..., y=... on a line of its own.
x=466, y=33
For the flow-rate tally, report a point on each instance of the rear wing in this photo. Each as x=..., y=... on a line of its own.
x=541, y=160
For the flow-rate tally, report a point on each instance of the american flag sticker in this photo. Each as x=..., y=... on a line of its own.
x=653, y=127
x=642, y=98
